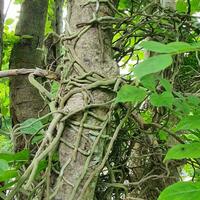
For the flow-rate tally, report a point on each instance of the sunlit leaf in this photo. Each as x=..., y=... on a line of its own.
x=9, y=21
x=190, y=122
x=170, y=48
x=19, y=1
x=19, y=156
x=181, y=6
x=7, y=175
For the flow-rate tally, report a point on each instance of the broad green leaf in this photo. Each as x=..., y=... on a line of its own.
x=149, y=82
x=181, y=6
x=170, y=48
x=130, y=93
x=190, y=122
x=19, y=1
x=165, y=99
x=31, y=126
x=124, y=4
x=156, y=47
x=20, y=156
x=182, y=151
x=3, y=165
x=163, y=135
x=7, y=175
x=152, y=65
x=181, y=191
x=9, y=21
x=195, y=6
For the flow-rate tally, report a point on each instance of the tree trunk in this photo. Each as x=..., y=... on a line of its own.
x=168, y=4
x=1, y=30
x=93, y=54
x=26, y=101
x=59, y=16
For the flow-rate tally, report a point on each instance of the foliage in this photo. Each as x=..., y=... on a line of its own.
x=166, y=99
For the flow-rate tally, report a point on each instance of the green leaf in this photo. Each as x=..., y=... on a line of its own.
x=179, y=47
x=19, y=1
x=41, y=166
x=163, y=135
x=182, y=151
x=166, y=84
x=181, y=191
x=149, y=82
x=170, y=48
x=164, y=99
x=124, y=4
x=7, y=175
x=195, y=6
x=31, y=126
x=3, y=165
x=181, y=6
x=190, y=122
x=156, y=47
x=37, y=139
x=130, y=93
x=9, y=21
x=153, y=65
x=20, y=156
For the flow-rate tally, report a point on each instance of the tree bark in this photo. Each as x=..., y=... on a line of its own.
x=93, y=51
x=1, y=30
x=59, y=16
x=26, y=101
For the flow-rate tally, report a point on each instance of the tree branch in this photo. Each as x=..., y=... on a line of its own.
x=37, y=72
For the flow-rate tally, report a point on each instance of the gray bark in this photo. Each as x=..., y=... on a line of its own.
x=26, y=101
x=89, y=51
x=59, y=16
x=168, y=4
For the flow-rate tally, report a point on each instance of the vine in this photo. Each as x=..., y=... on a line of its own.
x=139, y=115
